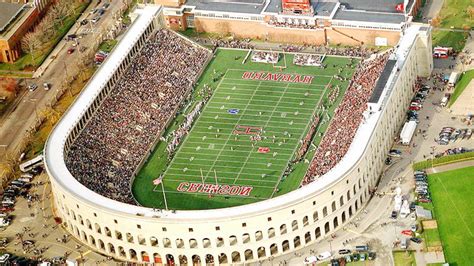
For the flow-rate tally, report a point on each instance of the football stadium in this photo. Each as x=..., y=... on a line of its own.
x=175, y=153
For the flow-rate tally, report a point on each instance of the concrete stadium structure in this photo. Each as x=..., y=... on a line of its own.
x=243, y=234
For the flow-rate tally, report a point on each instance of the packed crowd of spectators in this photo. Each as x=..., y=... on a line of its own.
x=346, y=119
x=110, y=147
x=227, y=43
x=183, y=130
x=308, y=59
x=276, y=23
x=265, y=57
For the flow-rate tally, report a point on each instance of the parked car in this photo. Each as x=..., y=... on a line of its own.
x=416, y=240
x=70, y=50
x=310, y=260
x=393, y=215
x=46, y=86
x=32, y=87
x=344, y=251
x=371, y=256
x=362, y=257
x=4, y=258
x=323, y=256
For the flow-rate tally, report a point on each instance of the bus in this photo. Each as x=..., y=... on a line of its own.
x=29, y=165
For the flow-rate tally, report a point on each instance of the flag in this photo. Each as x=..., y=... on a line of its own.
x=400, y=7
x=157, y=181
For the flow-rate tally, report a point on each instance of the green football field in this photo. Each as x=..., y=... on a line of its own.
x=245, y=136
x=452, y=199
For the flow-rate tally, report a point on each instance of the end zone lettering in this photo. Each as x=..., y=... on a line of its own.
x=243, y=191
x=293, y=78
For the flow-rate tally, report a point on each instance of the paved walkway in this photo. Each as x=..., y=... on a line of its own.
x=452, y=166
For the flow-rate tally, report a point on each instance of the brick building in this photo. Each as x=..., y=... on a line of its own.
x=16, y=19
x=347, y=22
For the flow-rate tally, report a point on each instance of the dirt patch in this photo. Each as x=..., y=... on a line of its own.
x=435, y=249
x=429, y=224
x=8, y=87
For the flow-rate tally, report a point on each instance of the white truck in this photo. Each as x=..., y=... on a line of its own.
x=453, y=79
x=407, y=133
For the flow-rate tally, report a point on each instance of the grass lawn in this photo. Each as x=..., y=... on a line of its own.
x=107, y=45
x=454, y=14
x=431, y=237
x=453, y=39
x=404, y=258
x=279, y=111
x=452, y=199
x=461, y=85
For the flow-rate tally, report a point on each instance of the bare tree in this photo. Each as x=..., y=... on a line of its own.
x=31, y=43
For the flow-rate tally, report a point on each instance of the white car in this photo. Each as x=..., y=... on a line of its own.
x=310, y=260
x=46, y=86
x=324, y=255
x=4, y=258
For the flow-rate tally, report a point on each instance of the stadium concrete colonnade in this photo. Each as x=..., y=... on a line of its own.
x=248, y=233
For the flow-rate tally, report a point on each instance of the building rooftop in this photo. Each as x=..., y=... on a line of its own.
x=231, y=6
x=372, y=5
x=383, y=80
x=368, y=16
x=8, y=13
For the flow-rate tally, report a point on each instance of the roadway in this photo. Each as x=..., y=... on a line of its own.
x=22, y=114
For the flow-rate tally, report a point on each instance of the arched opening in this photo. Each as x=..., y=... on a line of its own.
x=220, y=242
x=111, y=248
x=335, y=222
x=305, y=221
x=145, y=256
x=283, y=229
x=236, y=256
x=271, y=232
x=157, y=258
x=101, y=244
x=326, y=228
x=294, y=225
x=179, y=243
x=166, y=242
x=307, y=237
x=84, y=236
x=333, y=206
x=209, y=259
x=343, y=217
x=315, y=216
x=356, y=205
x=193, y=243
x=118, y=235
x=206, y=243
x=107, y=232
x=348, y=195
x=153, y=241
x=141, y=240
x=285, y=245
x=350, y=211
x=248, y=255
x=169, y=259
x=354, y=189
x=223, y=258
x=273, y=249
x=232, y=240
x=122, y=252
x=317, y=232
x=183, y=260
x=341, y=201
x=196, y=260
x=245, y=238
x=133, y=254
x=325, y=211
x=360, y=200
x=129, y=238
x=73, y=215
x=97, y=228
x=297, y=241
x=258, y=235
x=261, y=252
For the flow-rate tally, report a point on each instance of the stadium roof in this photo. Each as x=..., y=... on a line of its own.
x=360, y=15
x=8, y=13
x=372, y=5
x=379, y=87
x=55, y=156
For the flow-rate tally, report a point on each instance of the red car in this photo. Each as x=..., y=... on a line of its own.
x=424, y=200
x=70, y=50
x=415, y=108
x=6, y=209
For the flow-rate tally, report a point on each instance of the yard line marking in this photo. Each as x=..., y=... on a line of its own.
x=198, y=175
x=266, y=124
x=455, y=207
x=228, y=137
x=227, y=166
